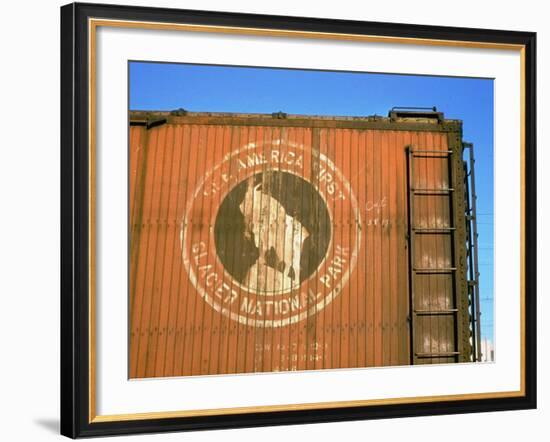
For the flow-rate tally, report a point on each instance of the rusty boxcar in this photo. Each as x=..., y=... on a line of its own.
x=279, y=242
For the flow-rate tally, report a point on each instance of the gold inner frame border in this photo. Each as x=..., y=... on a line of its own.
x=93, y=24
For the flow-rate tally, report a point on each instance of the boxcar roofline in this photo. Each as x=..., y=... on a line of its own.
x=414, y=122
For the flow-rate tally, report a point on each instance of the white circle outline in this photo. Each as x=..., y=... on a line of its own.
x=316, y=308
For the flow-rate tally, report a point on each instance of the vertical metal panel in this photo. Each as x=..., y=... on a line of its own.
x=459, y=252
x=177, y=330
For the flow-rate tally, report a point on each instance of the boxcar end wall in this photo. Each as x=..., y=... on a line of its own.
x=275, y=242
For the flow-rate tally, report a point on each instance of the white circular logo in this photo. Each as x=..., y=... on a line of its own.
x=278, y=245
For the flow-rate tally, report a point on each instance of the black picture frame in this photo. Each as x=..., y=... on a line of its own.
x=75, y=221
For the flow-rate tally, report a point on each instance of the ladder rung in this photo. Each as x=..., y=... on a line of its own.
x=437, y=355
x=450, y=311
x=433, y=230
x=432, y=191
x=436, y=153
x=436, y=270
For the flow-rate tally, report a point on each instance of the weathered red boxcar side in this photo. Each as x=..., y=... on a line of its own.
x=275, y=242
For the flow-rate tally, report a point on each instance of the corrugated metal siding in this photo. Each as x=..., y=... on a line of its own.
x=174, y=332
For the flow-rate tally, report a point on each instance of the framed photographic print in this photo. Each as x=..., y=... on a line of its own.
x=272, y=220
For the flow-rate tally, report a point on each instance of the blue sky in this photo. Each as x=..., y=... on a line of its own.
x=167, y=86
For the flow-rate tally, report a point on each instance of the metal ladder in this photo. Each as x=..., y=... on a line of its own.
x=472, y=252
x=415, y=270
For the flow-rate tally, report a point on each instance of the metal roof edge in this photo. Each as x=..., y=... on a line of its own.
x=151, y=118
